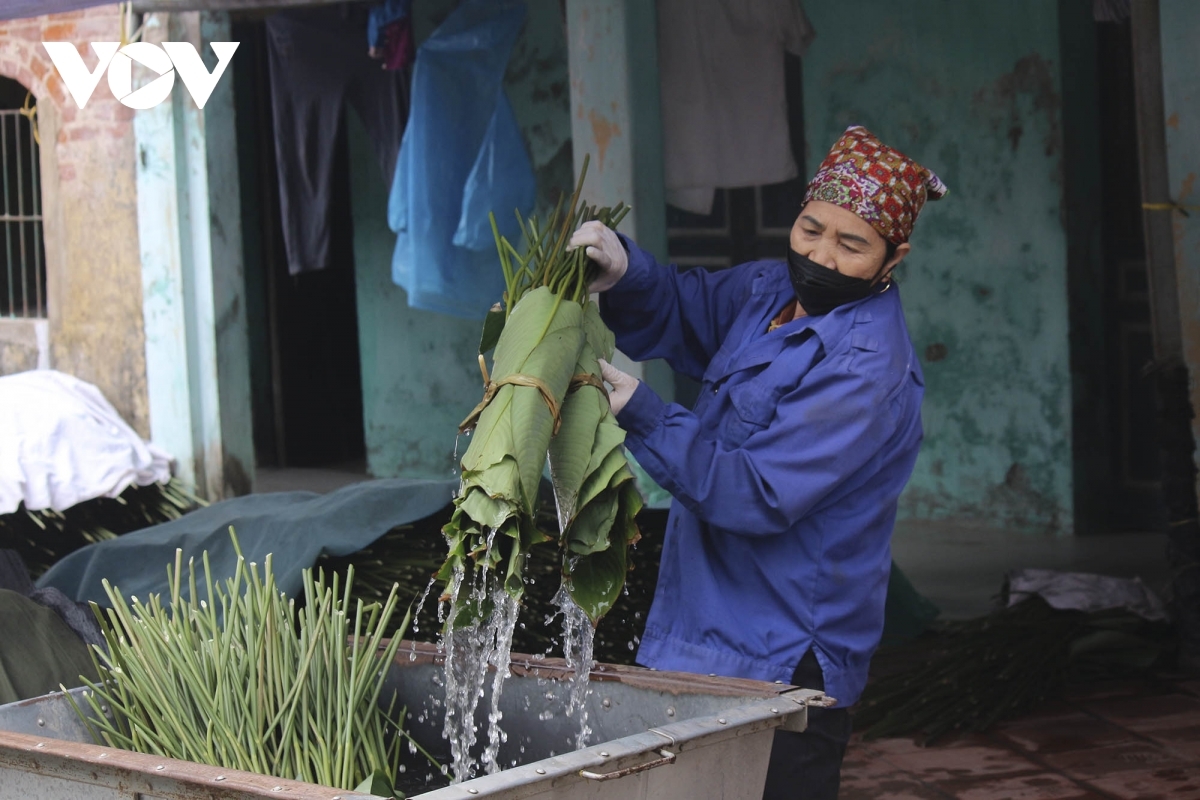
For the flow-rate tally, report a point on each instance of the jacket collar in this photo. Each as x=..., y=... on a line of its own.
x=773, y=286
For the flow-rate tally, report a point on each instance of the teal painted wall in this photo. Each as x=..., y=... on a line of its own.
x=1180, y=20
x=972, y=90
x=420, y=377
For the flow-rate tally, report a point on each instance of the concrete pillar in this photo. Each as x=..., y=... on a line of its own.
x=189, y=227
x=613, y=63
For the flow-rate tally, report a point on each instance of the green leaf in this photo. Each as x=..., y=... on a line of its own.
x=613, y=471
x=603, y=343
x=589, y=532
x=595, y=580
x=493, y=324
x=377, y=783
x=571, y=449
x=489, y=512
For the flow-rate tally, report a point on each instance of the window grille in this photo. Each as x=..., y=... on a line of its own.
x=22, y=253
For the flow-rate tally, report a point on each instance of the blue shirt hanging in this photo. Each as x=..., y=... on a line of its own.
x=462, y=156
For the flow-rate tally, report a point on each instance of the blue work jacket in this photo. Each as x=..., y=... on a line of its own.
x=785, y=474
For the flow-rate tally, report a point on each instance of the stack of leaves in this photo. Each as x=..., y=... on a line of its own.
x=45, y=536
x=545, y=398
x=245, y=680
x=972, y=674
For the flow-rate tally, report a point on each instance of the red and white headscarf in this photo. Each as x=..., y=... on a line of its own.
x=881, y=185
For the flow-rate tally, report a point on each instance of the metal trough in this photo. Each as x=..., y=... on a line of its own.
x=662, y=734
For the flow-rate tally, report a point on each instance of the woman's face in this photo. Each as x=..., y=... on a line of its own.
x=842, y=241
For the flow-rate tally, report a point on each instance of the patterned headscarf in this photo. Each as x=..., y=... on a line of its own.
x=882, y=186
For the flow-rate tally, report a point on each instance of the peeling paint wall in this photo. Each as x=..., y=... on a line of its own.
x=90, y=212
x=419, y=373
x=972, y=91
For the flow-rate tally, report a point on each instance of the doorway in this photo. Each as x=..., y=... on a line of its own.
x=1135, y=501
x=305, y=368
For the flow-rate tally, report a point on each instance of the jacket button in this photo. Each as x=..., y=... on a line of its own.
x=715, y=390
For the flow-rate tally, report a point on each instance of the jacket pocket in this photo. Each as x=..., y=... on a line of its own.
x=753, y=409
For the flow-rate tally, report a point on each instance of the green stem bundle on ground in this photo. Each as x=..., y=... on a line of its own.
x=43, y=537
x=544, y=399
x=969, y=675
x=245, y=679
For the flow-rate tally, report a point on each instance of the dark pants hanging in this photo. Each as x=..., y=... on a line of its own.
x=319, y=62
x=808, y=765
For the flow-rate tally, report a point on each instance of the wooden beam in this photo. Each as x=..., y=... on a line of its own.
x=1156, y=184
x=146, y=6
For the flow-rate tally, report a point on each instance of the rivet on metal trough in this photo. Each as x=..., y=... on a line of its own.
x=670, y=711
x=41, y=722
x=41, y=744
x=606, y=702
x=774, y=710
x=603, y=754
x=721, y=721
x=779, y=682
x=160, y=768
x=104, y=755
x=712, y=674
x=473, y=791
x=277, y=789
x=540, y=771
x=219, y=778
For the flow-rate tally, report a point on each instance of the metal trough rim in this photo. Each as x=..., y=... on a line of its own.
x=173, y=778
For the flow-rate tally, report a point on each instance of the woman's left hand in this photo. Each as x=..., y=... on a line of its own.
x=623, y=386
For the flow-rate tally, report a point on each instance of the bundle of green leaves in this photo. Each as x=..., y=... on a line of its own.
x=545, y=399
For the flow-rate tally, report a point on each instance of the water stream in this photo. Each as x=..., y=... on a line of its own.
x=472, y=650
x=579, y=637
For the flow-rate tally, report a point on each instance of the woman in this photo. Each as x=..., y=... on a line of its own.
x=787, y=471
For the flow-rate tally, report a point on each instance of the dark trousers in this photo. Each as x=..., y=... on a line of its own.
x=808, y=766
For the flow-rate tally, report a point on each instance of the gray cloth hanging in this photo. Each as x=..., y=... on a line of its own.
x=318, y=63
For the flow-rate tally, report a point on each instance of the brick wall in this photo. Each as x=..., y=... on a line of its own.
x=89, y=196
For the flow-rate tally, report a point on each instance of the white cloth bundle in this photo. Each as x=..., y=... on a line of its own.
x=62, y=443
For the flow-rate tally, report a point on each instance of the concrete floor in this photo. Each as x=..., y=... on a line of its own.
x=961, y=566
x=1126, y=740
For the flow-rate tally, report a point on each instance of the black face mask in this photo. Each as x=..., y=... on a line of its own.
x=820, y=289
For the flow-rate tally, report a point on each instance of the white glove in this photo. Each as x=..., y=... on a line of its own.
x=623, y=386
x=605, y=250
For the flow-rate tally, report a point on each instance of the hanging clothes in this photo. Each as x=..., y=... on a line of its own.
x=317, y=64
x=462, y=157
x=723, y=98
x=389, y=33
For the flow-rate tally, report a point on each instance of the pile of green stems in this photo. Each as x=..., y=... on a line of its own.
x=971, y=674
x=43, y=537
x=247, y=680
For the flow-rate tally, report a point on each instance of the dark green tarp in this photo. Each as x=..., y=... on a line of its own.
x=295, y=527
x=38, y=652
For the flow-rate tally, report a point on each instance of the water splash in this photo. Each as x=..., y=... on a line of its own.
x=469, y=652
x=578, y=642
x=416, y=625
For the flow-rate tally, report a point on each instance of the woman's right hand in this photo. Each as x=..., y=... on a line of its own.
x=605, y=250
